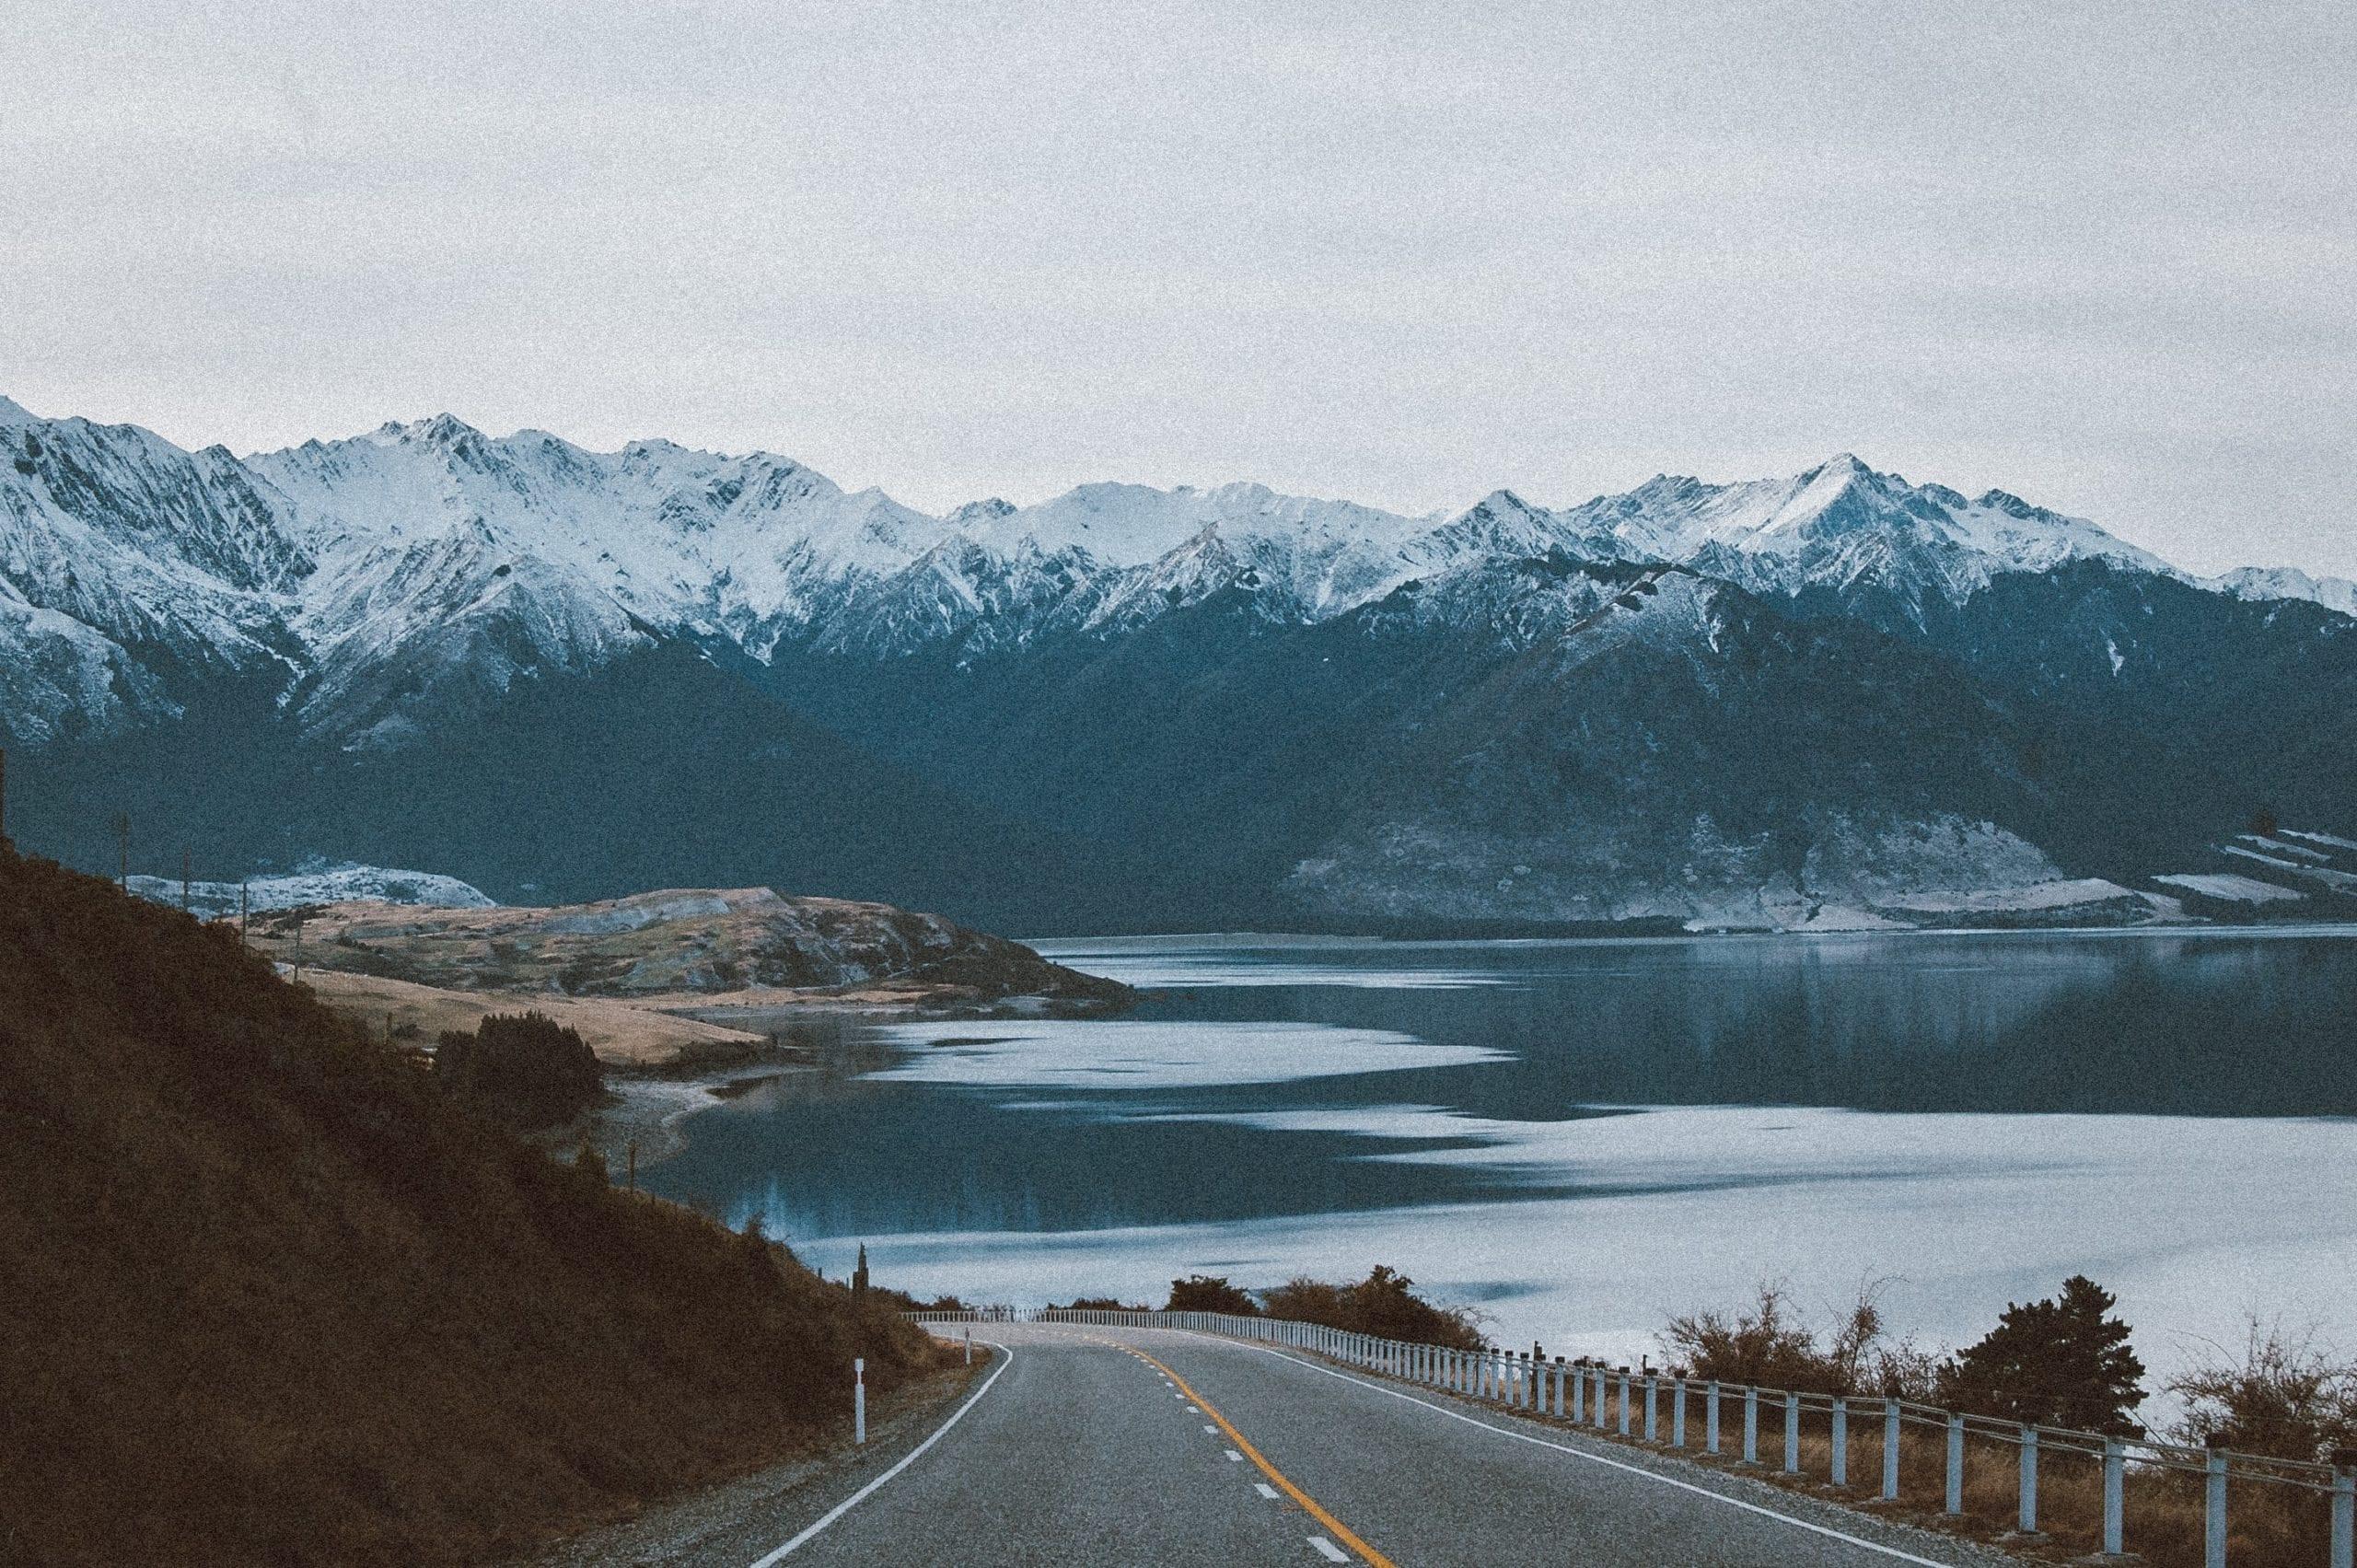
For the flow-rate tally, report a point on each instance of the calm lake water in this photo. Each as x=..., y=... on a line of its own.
x=1582, y=1137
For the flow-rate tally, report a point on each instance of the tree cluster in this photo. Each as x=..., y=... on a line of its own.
x=526, y=1071
x=2060, y=1362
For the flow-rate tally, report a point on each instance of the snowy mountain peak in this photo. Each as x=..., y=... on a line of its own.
x=1501, y=503
x=2289, y=582
x=427, y=557
x=977, y=514
x=441, y=429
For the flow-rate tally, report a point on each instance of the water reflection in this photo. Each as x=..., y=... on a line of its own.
x=1523, y=1035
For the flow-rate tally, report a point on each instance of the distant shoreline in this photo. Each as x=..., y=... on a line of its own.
x=1059, y=946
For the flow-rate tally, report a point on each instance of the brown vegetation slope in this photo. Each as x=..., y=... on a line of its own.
x=265, y=1297
x=684, y=944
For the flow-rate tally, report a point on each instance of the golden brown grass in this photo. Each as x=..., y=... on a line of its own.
x=2269, y=1526
x=266, y=1297
x=624, y=1034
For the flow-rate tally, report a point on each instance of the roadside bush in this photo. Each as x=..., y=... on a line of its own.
x=526, y=1071
x=902, y=1301
x=2286, y=1397
x=1384, y=1305
x=1768, y=1344
x=1209, y=1292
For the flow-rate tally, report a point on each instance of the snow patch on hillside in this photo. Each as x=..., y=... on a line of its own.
x=317, y=882
x=2229, y=886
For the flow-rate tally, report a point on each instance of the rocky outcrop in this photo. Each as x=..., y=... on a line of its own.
x=689, y=944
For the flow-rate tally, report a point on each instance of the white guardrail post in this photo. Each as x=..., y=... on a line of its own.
x=2213, y=1510
x=1624, y=1402
x=1653, y=1408
x=1751, y=1426
x=1678, y=1412
x=2028, y=1521
x=1711, y=1419
x=1954, y=1500
x=2344, y=1508
x=2115, y=1497
x=1838, y=1470
x=1792, y=1433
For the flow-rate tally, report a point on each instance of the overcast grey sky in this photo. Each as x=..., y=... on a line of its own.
x=2102, y=255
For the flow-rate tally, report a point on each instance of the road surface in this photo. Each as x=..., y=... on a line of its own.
x=1089, y=1445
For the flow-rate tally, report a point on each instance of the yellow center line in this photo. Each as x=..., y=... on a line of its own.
x=1334, y=1526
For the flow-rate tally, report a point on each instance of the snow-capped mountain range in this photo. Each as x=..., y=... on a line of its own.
x=378, y=570
x=1690, y=698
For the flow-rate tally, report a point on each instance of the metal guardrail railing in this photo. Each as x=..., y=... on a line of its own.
x=1630, y=1404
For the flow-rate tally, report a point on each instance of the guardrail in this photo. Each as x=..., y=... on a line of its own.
x=1656, y=1406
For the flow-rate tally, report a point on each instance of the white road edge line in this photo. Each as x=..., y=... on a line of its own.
x=1825, y=1530
x=845, y=1506
x=1329, y=1550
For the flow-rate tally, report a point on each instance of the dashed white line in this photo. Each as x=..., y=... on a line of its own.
x=1329, y=1550
x=1265, y=1489
x=1208, y=1427
x=1232, y=1457
x=1196, y=1411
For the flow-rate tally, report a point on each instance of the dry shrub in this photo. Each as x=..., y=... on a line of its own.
x=1767, y=1342
x=1384, y=1306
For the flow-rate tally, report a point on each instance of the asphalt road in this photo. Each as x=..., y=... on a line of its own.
x=1105, y=1445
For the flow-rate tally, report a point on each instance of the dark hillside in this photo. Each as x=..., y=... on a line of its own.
x=269, y=1299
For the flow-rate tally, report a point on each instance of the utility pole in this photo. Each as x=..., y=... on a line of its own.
x=122, y=848
x=241, y=912
x=187, y=861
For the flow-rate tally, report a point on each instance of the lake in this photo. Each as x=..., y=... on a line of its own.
x=1582, y=1137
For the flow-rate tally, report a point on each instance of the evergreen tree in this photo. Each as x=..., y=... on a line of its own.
x=2062, y=1362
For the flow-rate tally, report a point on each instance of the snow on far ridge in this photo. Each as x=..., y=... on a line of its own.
x=2230, y=886
x=318, y=882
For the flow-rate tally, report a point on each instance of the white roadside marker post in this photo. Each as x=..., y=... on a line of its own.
x=969, y=1344
x=859, y=1400
x=1890, y=1416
